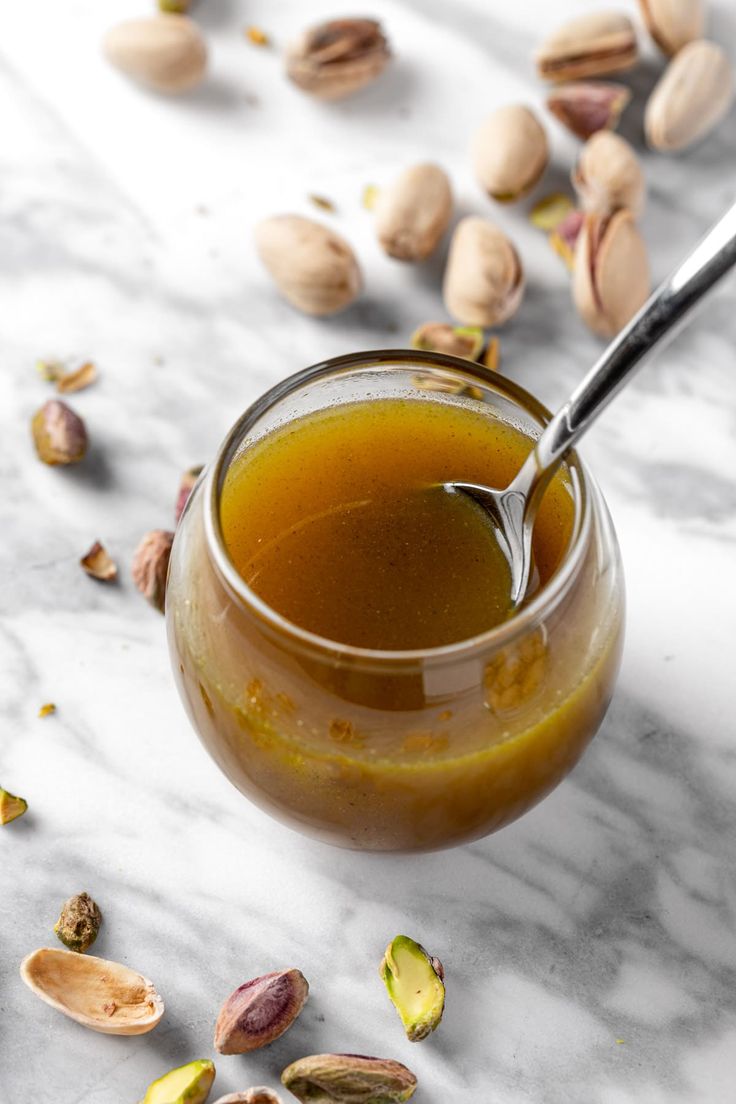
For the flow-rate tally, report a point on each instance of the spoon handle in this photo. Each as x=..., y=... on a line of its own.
x=664, y=311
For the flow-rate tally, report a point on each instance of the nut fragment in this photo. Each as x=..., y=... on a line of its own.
x=258, y=1095
x=510, y=153
x=188, y=1084
x=484, y=282
x=78, y=379
x=694, y=93
x=608, y=175
x=337, y=58
x=166, y=52
x=179, y=7
x=186, y=486
x=441, y=337
x=585, y=107
x=673, y=23
x=415, y=983
x=413, y=213
x=99, y=564
x=549, y=212
x=312, y=266
x=59, y=434
x=349, y=1079
x=563, y=238
x=588, y=46
x=257, y=36
x=151, y=566
x=11, y=807
x=611, y=272
x=47, y=710
x=78, y=923
x=260, y=1011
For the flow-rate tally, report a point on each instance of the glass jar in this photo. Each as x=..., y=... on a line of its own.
x=411, y=750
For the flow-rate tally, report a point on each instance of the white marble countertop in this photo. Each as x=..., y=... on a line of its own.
x=591, y=947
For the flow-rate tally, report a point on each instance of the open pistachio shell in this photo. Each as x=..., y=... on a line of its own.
x=484, y=281
x=589, y=46
x=415, y=983
x=413, y=213
x=510, y=153
x=104, y=996
x=673, y=23
x=611, y=278
x=608, y=175
x=694, y=93
x=189, y=1084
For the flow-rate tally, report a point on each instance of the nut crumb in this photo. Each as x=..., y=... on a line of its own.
x=47, y=709
x=257, y=36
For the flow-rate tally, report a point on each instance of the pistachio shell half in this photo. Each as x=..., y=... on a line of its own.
x=413, y=213
x=484, y=281
x=585, y=107
x=588, y=46
x=608, y=175
x=611, y=272
x=694, y=93
x=104, y=996
x=312, y=266
x=673, y=23
x=510, y=153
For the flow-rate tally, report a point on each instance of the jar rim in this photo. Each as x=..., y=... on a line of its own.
x=539, y=606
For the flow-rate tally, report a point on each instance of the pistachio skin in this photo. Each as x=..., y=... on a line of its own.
x=590, y=45
x=608, y=175
x=585, y=107
x=484, y=282
x=349, y=1079
x=166, y=53
x=691, y=98
x=260, y=1011
x=611, y=279
x=673, y=23
x=337, y=58
x=413, y=213
x=510, y=153
x=313, y=267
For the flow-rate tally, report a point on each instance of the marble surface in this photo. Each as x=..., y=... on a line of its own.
x=591, y=947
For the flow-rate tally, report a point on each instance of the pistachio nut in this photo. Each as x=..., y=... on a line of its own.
x=11, y=807
x=79, y=923
x=166, y=52
x=150, y=567
x=189, y=1084
x=413, y=213
x=563, y=238
x=260, y=1011
x=414, y=981
x=510, y=153
x=694, y=93
x=611, y=272
x=585, y=107
x=258, y=1095
x=348, y=1079
x=312, y=266
x=673, y=23
x=608, y=175
x=441, y=337
x=484, y=281
x=337, y=58
x=59, y=434
x=588, y=46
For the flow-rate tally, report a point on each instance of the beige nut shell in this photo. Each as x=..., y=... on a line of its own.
x=693, y=95
x=484, y=283
x=510, y=152
x=673, y=23
x=413, y=213
x=611, y=279
x=165, y=52
x=588, y=46
x=313, y=267
x=608, y=175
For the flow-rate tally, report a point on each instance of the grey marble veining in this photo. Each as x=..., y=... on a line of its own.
x=591, y=947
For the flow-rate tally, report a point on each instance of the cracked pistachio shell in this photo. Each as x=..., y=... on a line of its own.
x=673, y=23
x=189, y=1084
x=611, y=278
x=413, y=213
x=608, y=175
x=510, y=153
x=165, y=52
x=260, y=1011
x=349, y=1079
x=312, y=266
x=484, y=282
x=693, y=95
x=585, y=107
x=258, y=1095
x=339, y=57
x=588, y=46
x=415, y=983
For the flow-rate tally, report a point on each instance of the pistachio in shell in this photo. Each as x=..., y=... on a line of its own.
x=313, y=267
x=673, y=23
x=590, y=45
x=585, y=107
x=189, y=1084
x=611, y=280
x=510, y=153
x=413, y=213
x=260, y=1011
x=337, y=58
x=608, y=175
x=484, y=281
x=693, y=95
x=166, y=52
x=414, y=981
x=441, y=337
x=349, y=1079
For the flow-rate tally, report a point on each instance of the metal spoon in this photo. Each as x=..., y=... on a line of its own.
x=514, y=509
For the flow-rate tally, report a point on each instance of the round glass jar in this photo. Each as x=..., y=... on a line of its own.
x=410, y=750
